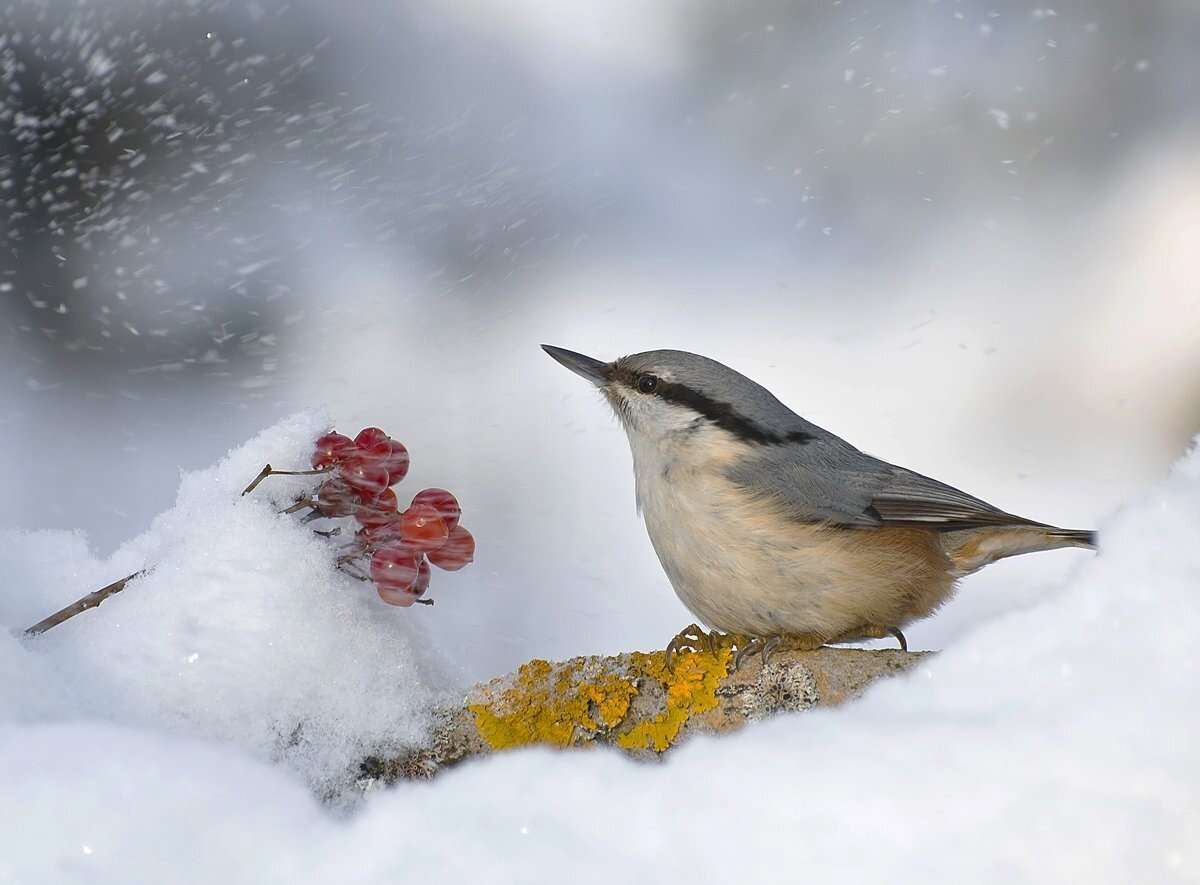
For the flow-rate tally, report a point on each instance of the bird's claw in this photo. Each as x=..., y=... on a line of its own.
x=691, y=638
x=764, y=645
x=874, y=631
x=895, y=631
x=694, y=639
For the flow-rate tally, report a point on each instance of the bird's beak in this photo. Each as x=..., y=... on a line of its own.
x=584, y=366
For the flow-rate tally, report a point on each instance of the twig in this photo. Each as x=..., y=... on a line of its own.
x=266, y=471
x=271, y=471
x=353, y=572
x=81, y=605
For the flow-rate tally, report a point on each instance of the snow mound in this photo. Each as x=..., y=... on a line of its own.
x=243, y=631
x=1057, y=744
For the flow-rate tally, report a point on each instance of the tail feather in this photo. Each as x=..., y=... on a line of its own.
x=1078, y=537
x=972, y=549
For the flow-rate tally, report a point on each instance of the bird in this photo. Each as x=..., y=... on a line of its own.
x=773, y=531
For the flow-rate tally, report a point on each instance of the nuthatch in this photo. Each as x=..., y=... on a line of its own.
x=772, y=529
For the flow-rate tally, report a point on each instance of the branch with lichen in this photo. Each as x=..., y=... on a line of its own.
x=633, y=701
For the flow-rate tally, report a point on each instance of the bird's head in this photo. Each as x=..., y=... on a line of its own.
x=671, y=394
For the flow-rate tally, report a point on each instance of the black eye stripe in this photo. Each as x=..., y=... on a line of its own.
x=725, y=416
x=722, y=414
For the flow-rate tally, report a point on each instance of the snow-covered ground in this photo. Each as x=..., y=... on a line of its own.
x=243, y=632
x=174, y=734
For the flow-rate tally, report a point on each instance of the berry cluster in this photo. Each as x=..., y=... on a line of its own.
x=395, y=547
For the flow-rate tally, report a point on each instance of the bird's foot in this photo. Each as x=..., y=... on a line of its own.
x=694, y=639
x=874, y=631
x=766, y=645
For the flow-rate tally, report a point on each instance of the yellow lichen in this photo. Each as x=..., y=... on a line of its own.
x=548, y=705
x=560, y=706
x=691, y=689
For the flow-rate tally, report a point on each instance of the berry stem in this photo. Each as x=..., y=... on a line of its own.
x=92, y=600
x=352, y=572
x=271, y=471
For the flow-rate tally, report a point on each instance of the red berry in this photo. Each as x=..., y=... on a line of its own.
x=377, y=511
x=382, y=534
x=402, y=598
x=458, y=550
x=443, y=502
x=423, y=575
x=421, y=526
x=394, y=566
x=363, y=474
x=378, y=454
x=369, y=437
x=383, y=451
x=395, y=461
x=330, y=449
x=336, y=498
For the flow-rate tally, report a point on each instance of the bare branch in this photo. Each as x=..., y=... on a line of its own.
x=83, y=604
x=271, y=471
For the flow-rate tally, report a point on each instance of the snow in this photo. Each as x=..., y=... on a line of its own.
x=1053, y=743
x=243, y=632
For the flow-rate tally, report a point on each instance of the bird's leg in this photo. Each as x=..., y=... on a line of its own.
x=721, y=641
x=694, y=639
x=691, y=638
x=766, y=645
x=874, y=631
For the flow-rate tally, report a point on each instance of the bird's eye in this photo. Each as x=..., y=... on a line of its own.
x=647, y=383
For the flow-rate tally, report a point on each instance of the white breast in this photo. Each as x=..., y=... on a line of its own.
x=707, y=535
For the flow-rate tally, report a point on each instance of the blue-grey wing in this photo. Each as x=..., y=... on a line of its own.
x=909, y=498
x=828, y=480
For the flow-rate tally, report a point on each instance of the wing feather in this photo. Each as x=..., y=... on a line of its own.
x=828, y=480
x=909, y=498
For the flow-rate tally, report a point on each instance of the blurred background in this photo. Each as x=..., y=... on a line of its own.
x=965, y=236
